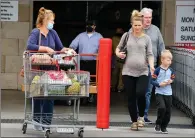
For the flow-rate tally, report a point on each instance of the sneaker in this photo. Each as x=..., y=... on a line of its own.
x=157, y=128
x=134, y=126
x=141, y=122
x=164, y=131
x=36, y=127
x=147, y=121
x=120, y=90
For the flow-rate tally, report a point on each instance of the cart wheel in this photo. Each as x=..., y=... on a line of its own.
x=80, y=133
x=47, y=134
x=24, y=127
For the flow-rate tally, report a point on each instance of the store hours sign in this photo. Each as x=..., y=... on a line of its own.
x=185, y=22
x=9, y=10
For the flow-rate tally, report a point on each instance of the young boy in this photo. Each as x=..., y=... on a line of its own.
x=162, y=78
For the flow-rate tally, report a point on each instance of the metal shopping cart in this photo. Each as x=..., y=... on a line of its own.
x=46, y=77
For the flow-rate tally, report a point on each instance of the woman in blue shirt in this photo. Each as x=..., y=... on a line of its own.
x=49, y=42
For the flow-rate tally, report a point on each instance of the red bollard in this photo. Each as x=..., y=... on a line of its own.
x=103, y=87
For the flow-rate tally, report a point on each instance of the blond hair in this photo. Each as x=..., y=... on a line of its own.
x=136, y=16
x=44, y=14
x=166, y=54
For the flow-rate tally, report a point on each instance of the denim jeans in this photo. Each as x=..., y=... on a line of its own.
x=43, y=111
x=148, y=94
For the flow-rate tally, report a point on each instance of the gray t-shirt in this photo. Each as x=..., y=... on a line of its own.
x=157, y=41
x=139, y=49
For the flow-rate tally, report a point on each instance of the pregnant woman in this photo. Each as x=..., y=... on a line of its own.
x=135, y=69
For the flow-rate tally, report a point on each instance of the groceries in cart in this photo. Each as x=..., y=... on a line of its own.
x=65, y=59
x=55, y=83
x=41, y=59
x=55, y=77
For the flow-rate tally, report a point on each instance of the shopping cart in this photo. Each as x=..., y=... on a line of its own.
x=93, y=77
x=46, y=77
x=183, y=86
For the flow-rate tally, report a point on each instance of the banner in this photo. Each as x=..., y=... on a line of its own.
x=185, y=23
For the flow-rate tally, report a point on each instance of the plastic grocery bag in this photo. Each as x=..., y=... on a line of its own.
x=55, y=77
x=41, y=59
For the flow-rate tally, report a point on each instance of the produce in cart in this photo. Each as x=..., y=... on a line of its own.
x=75, y=87
x=35, y=87
x=56, y=90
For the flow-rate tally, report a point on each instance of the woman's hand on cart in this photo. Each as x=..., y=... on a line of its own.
x=49, y=50
x=66, y=50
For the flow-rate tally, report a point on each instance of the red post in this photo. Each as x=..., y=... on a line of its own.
x=104, y=72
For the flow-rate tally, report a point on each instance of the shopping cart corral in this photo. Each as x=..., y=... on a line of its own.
x=184, y=85
x=54, y=76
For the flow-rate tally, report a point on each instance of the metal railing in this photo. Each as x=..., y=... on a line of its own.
x=184, y=85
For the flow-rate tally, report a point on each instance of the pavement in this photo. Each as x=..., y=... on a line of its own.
x=12, y=107
x=14, y=130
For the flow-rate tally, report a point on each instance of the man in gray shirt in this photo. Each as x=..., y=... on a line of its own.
x=157, y=46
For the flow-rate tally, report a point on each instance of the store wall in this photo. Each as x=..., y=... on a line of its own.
x=14, y=36
x=168, y=21
x=13, y=41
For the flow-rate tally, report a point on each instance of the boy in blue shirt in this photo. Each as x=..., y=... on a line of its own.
x=162, y=78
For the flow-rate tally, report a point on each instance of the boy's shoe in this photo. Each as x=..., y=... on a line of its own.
x=164, y=131
x=141, y=122
x=147, y=121
x=157, y=128
x=134, y=126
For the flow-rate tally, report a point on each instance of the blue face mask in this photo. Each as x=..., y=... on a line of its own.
x=50, y=26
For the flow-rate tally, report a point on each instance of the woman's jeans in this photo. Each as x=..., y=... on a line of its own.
x=43, y=108
x=43, y=111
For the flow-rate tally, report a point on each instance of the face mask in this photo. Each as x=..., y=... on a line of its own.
x=89, y=29
x=50, y=26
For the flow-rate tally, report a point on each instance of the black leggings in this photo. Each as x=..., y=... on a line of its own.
x=135, y=88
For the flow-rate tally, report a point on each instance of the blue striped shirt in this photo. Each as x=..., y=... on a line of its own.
x=87, y=44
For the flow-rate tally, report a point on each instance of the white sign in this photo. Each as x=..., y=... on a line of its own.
x=9, y=10
x=65, y=130
x=185, y=22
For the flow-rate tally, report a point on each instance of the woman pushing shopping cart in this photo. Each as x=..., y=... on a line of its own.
x=45, y=81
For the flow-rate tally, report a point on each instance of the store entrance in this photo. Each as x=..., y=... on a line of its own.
x=70, y=21
x=71, y=15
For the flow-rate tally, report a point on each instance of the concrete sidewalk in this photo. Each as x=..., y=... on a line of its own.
x=14, y=130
